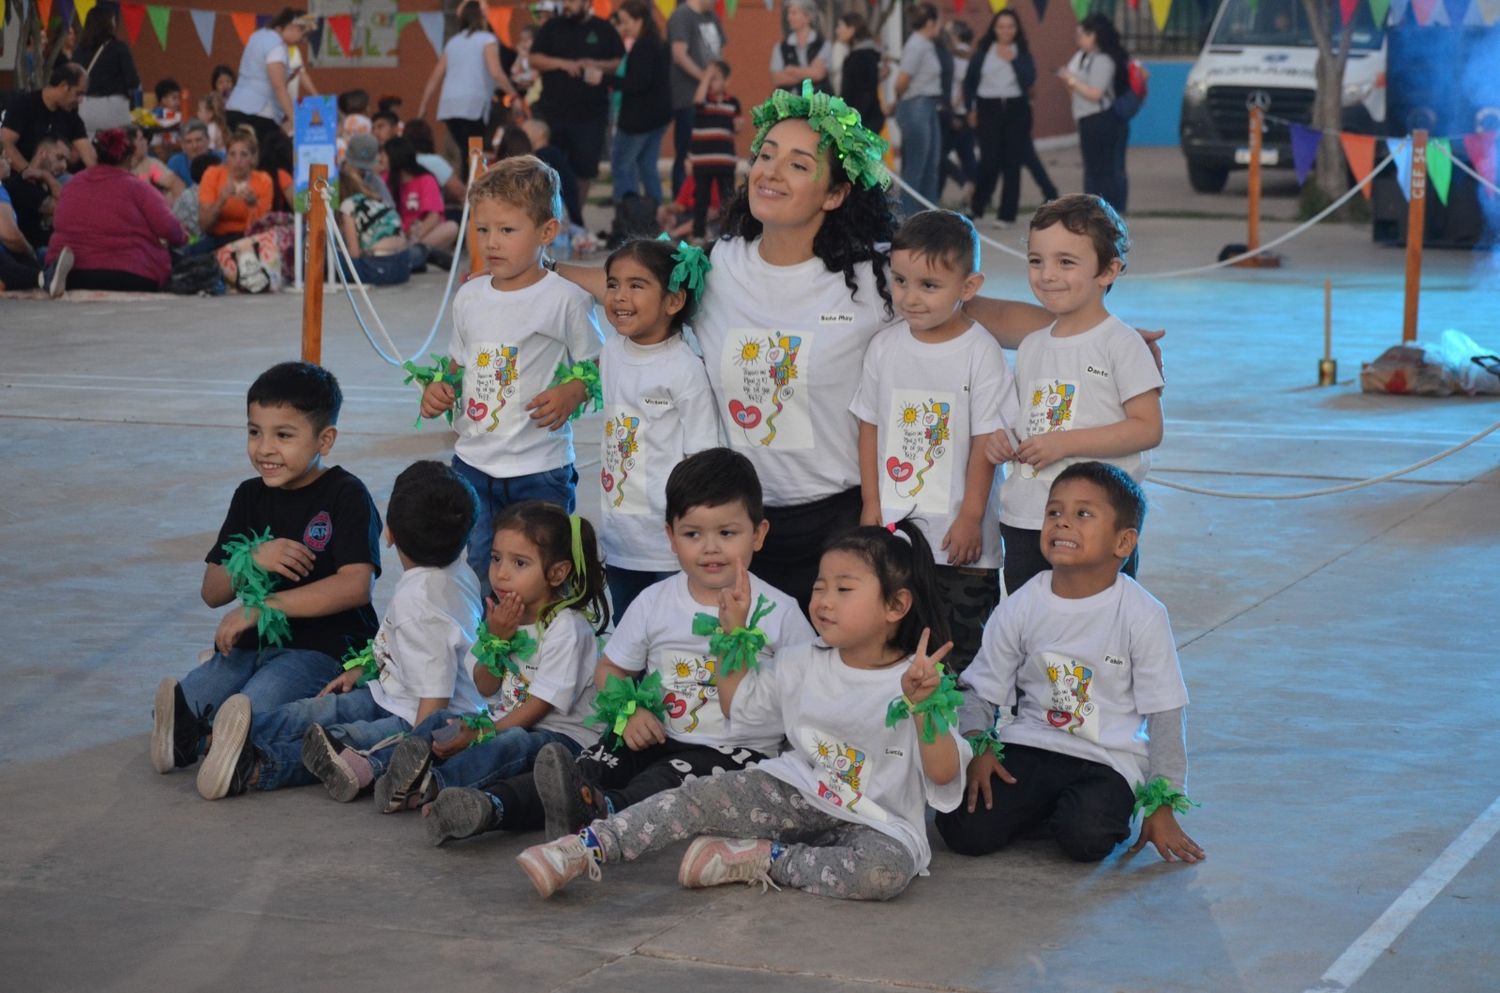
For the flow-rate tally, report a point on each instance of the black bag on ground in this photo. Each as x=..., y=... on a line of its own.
x=195, y=274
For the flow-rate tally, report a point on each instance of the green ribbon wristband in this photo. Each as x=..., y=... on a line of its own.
x=587, y=373
x=740, y=648
x=481, y=722
x=1149, y=797
x=621, y=698
x=363, y=658
x=440, y=371
x=940, y=709
x=986, y=741
x=502, y=655
x=252, y=585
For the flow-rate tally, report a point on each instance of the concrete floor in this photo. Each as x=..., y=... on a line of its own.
x=1339, y=653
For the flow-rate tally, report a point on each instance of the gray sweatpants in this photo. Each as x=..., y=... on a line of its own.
x=824, y=855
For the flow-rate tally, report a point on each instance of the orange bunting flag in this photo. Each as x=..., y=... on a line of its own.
x=132, y=16
x=342, y=26
x=244, y=25
x=1359, y=149
x=602, y=9
x=499, y=18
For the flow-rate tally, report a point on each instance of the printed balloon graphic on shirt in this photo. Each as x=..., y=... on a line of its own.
x=745, y=417
x=898, y=470
x=606, y=480
x=476, y=410
x=620, y=436
x=491, y=382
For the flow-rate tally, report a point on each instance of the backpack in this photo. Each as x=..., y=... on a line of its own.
x=195, y=274
x=1129, y=103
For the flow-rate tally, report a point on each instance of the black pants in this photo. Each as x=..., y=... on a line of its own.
x=18, y=273
x=970, y=595
x=789, y=558
x=263, y=127
x=627, y=777
x=461, y=129
x=111, y=279
x=1023, y=557
x=682, y=140
x=1085, y=805
x=1033, y=163
x=1004, y=133
x=26, y=199
x=704, y=180
x=1101, y=139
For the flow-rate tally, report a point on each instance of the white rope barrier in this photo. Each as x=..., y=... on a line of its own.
x=1329, y=490
x=1477, y=178
x=1224, y=263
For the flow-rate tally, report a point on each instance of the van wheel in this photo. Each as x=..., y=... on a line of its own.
x=1207, y=178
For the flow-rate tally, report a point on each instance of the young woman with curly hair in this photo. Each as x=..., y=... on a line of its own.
x=798, y=288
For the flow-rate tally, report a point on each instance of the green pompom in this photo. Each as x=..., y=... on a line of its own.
x=482, y=722
x=442, y=370
x=618, y=701
x=986, y=741
x=740, y=648
x=1160, y=793
x=940, y=709
x=587, y=373
x=363, y=658
x=252, y=585
x=501, y=655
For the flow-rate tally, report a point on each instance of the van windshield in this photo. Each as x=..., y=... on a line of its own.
x=1283, y=23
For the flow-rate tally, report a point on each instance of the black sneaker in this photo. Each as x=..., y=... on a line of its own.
x=177, y=731
x=323, y=757
x=410, y=772
x=443, y=260
x=571, y=797
x=459, y=812
x=231, y=760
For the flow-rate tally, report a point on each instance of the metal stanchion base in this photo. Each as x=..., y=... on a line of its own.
x=1328, y=372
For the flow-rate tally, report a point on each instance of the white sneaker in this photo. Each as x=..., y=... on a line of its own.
x=713, y=861
x=553, y=865
x=59, y=281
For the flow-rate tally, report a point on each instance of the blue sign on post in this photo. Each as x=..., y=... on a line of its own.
x=316, y=143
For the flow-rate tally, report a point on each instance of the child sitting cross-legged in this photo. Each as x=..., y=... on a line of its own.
x=409, y=672
x=534, y=665
x=667, y=727
x=872, y=722
x=1098, y=733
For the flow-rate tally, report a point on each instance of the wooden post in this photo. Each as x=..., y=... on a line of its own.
x=476, y=168
x=312, y=284
x=1328, y=369
x=1416, y=226
x=1266, y=260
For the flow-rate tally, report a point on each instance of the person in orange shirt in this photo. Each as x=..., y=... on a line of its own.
x=234, y=195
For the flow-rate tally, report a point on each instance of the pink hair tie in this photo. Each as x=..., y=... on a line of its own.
x=897, y=532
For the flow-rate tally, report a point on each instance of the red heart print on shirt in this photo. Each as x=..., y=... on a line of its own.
x=607, y=480
x=676, y=706
x=477, y=410
x=898, y=470
x=745, y=417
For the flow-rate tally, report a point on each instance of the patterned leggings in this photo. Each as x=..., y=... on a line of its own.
x=824, y=855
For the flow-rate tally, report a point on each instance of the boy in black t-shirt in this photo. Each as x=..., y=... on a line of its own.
x=299, y=548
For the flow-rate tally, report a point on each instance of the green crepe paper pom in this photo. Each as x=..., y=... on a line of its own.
x=363, y=658
x=500, y=655
x=1160, y=793
x=252, y=585
x=587, y=373
x=941, y=708
x=614, y=705
x=861, y=152
x=481, y=722
x=986, y=741
x=438, y=372
x=691, y=268
x=740, y=648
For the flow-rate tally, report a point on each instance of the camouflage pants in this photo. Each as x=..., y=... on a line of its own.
x=824, y=855
x=970, y=597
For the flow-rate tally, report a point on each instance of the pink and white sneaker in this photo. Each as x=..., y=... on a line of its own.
x=713, y=861
x=553, y=865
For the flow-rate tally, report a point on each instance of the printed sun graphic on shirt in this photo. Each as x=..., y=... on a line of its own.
x=917, y=450
x=1051, y=407
x=490, y=383
x=620, y=448
x=515, y=689
x=1071, y=708
x=764, y=374
x=692, y=684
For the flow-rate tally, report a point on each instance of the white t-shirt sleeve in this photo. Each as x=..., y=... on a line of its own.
x=425, y=648
x=1130, y=358
x=581, y=332
x=278, y=54
x=757, y=700
x=993, y=391
x=1156, y=675
x=630, y=645
x=699, y=415
x=949, y=795
x=866, y=404
x=565, y=664
x=991, y=677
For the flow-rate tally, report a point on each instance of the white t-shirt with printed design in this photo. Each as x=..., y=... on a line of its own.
x=657, y=408
x=1089, y=670
x=656, y=635
x=559, y=672
x=1078, y=381
x=843, y=757
x=784, y=346
x=511, y=343
x=424, y=639
x=927, y=402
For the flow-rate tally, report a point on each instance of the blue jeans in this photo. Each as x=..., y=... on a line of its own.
x=627, y=584
x=509, y=754
x=384, y=270
x=553, y=485
x=633, y=162
x=270, y=678
x=921, y=150
x=353, y=718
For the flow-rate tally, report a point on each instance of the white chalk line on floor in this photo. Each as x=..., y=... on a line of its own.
x=1380, y=936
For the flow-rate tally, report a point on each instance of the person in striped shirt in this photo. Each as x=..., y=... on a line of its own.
x=713, y=155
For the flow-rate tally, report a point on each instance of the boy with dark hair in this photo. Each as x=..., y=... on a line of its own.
x=715, y=523
x=299, y=548
x=1089, y=654
x=384, y=125
x=411, y=670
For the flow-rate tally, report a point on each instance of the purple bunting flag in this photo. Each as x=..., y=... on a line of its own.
x=1305, y=141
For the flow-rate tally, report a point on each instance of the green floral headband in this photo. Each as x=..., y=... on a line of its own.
x=692, y=265
x=860, y=150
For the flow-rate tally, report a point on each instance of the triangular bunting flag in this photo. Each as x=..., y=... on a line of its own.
x=64, y=11
x=1135, y=4
x=244, y=25
x=665, y=8
x=342, y=28
x=1346, y=10
x=1456, y=9
x=81, y=8
x=1080, y=8
x=1041, y=9
x=1480, y=146
x=159, y=17
x=1473, y=19
x=44, y=8
x=499, y=18
x=1398, y=11
x=958, y=6
x=1489, y=11
x=315, y=36
x=602, y=9
x=203, y=23
x=1305, y=142
x=1378, y=10
x=996, y=6
x=432, y=26
x=731, y=6
x=1159, y=11
x=402, y=20
x=1440, y=167
x=262, y=21
x=1359, y=149
x=132, y=16
x=1400, y=150
x=1423, y=10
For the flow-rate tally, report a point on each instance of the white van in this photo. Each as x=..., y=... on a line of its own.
x=1262, y=52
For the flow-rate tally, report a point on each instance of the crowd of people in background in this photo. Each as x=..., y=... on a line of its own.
x=576, y=90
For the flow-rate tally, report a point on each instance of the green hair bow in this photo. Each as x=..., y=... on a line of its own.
x=691, y=268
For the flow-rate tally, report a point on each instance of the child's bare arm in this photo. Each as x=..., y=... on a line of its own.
x=940, y=758
x=525, y=715
x=427, y=706
x=346, y=589
x=869, y=473
x=1009, y=321
x=217, y=590
x=591, y=279
x=1140, y=431
x=606, y=668
x=965, y=538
